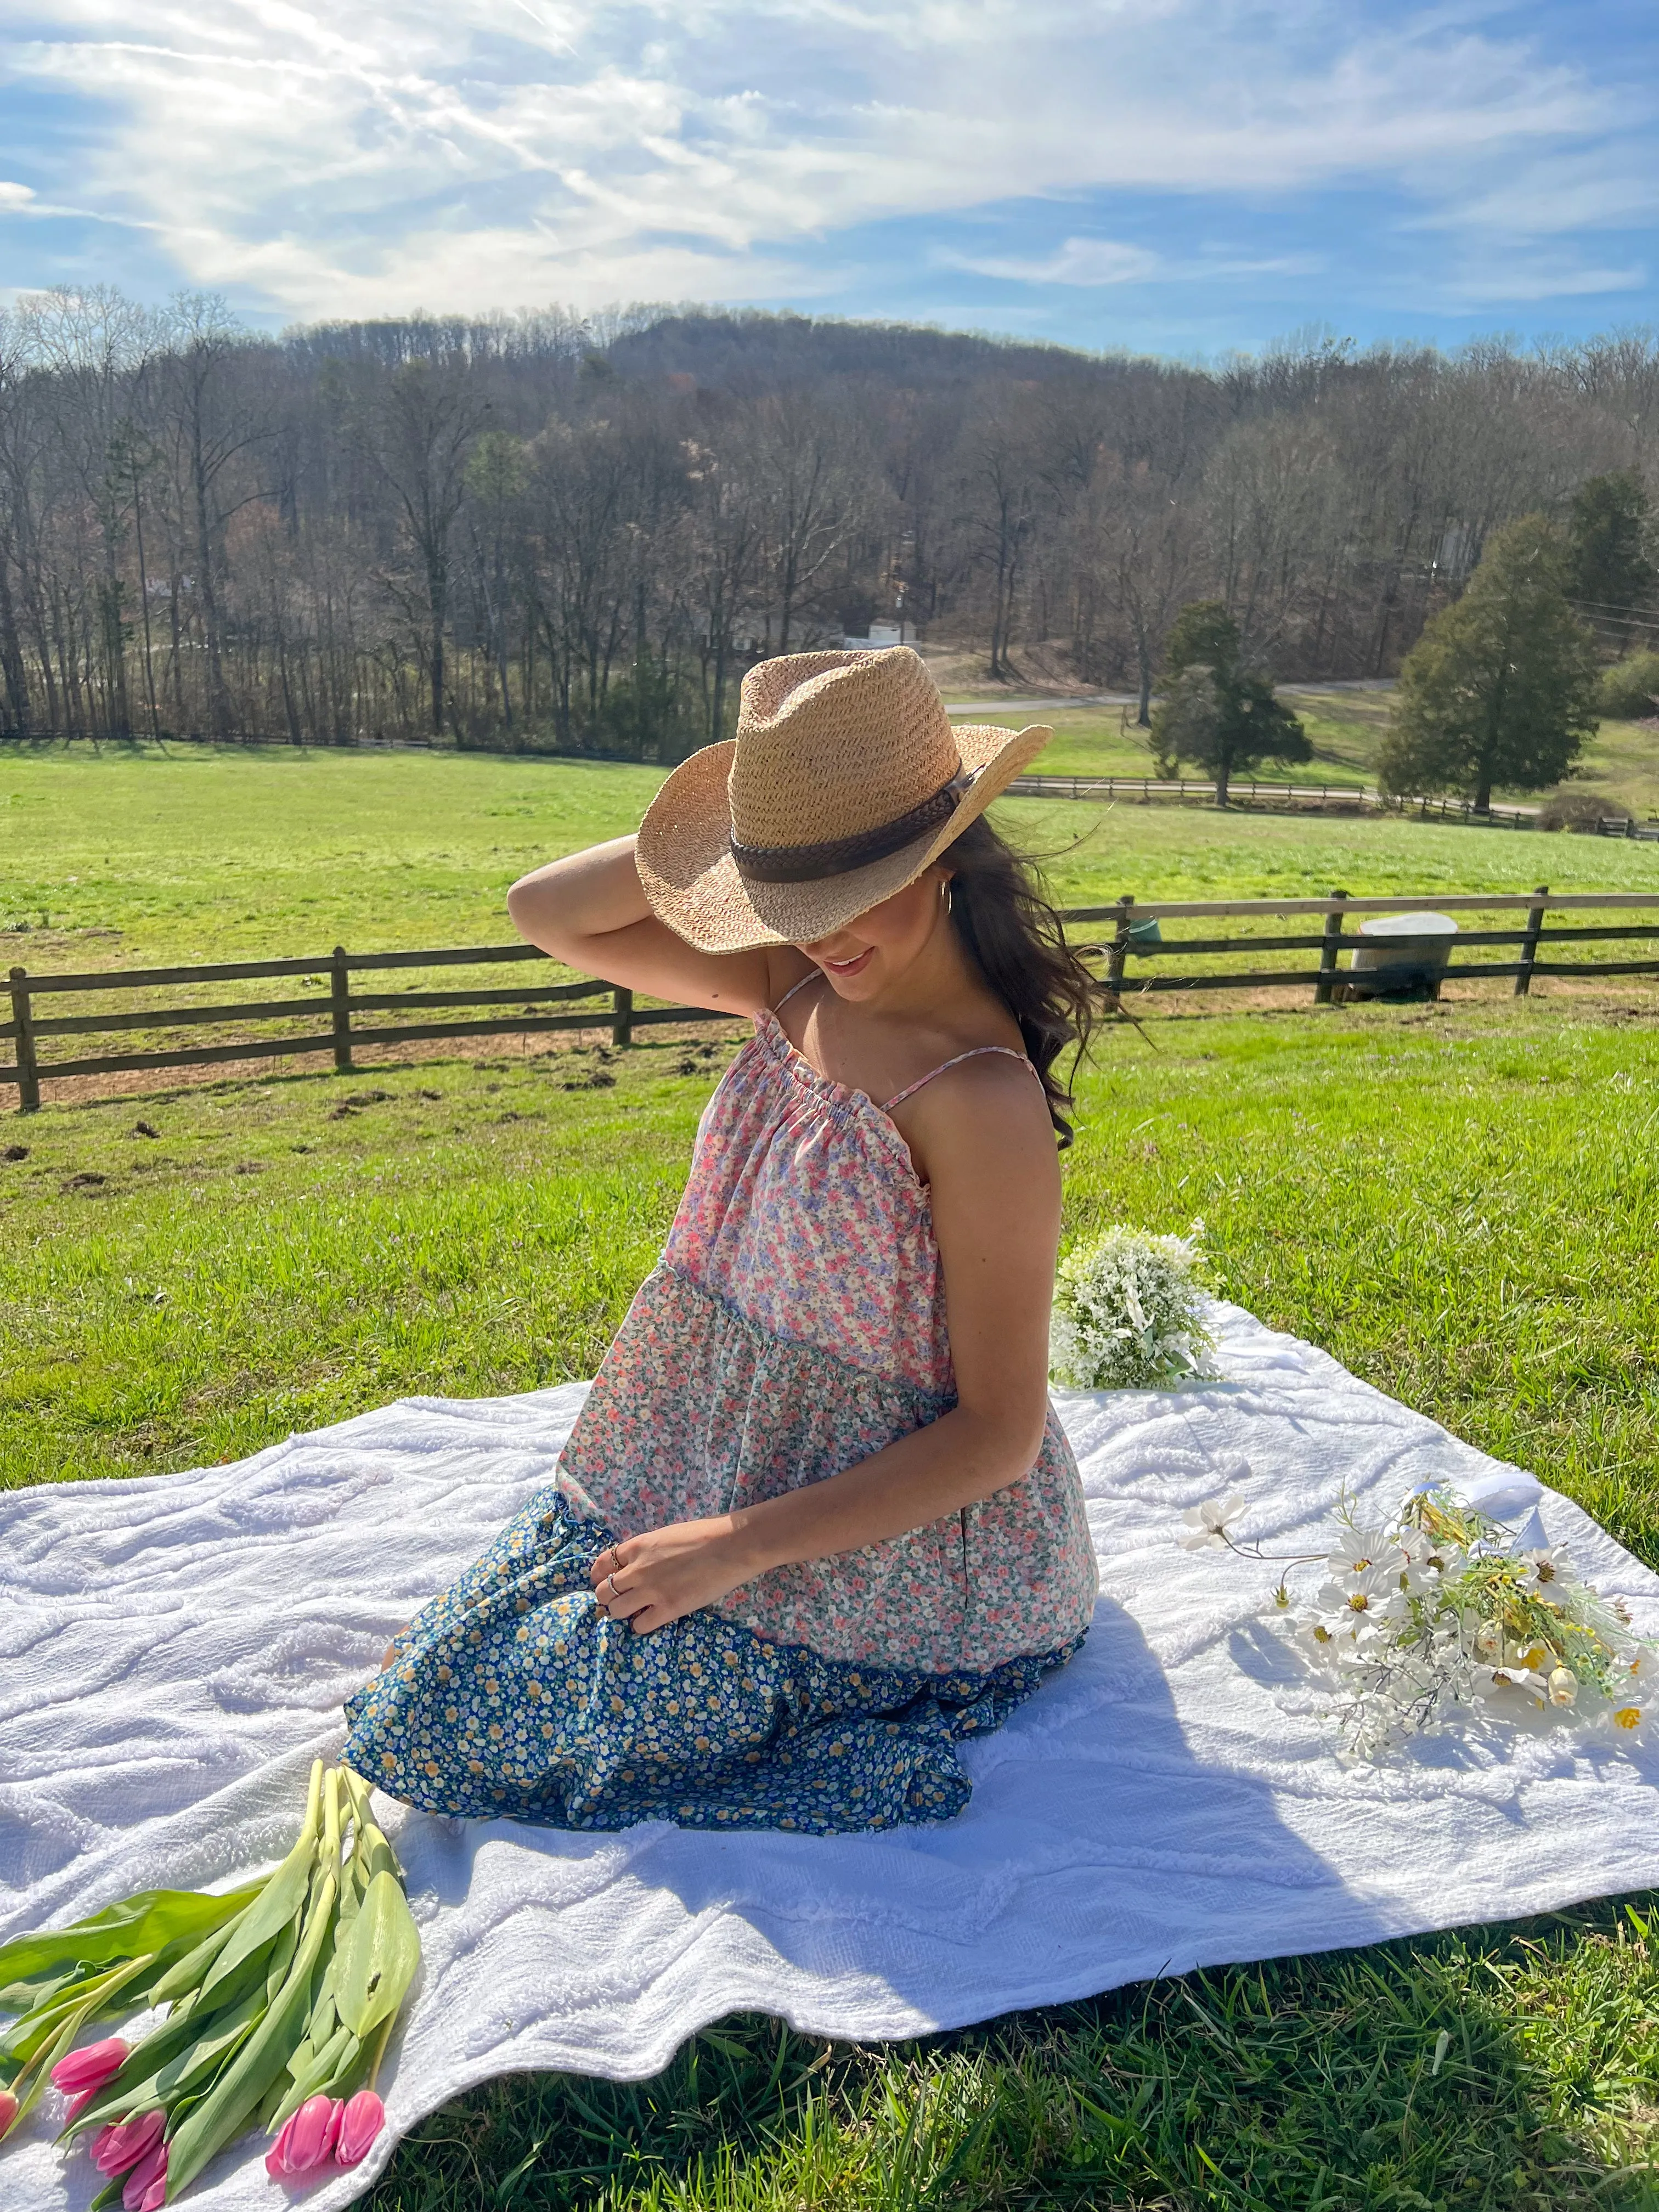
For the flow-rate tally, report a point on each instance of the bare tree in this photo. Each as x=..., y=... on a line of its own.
x=567, y=530
x=417, y=427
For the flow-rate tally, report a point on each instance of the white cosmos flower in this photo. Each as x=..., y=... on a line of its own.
x=1409, y=1627
x=1321, y=1637
x=1207, y=1524
x=1548, y=1564
x=1358, y=1551
x=1367, y=1593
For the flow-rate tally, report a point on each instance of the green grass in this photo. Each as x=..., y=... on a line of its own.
x=134, y=856
x=1320, y=2085
x=1461, y=1202
x=1346, y=728
x=195, y=852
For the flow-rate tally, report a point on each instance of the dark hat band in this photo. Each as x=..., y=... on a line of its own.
x=802, y=863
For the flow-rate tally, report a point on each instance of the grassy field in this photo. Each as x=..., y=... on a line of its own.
x=1346, y=728
x=1461, y=1202
x=135, y=856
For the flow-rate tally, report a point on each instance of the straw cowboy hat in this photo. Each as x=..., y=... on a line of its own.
x=844, y=781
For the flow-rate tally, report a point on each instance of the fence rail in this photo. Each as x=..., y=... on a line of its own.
x=1135, y=954
x=1254, y=792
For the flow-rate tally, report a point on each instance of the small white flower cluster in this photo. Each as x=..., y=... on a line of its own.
x=1128, y=1313
x=1441, y=1609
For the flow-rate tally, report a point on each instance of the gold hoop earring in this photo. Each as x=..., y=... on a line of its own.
x=945, y=896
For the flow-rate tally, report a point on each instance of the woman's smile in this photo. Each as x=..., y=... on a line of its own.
x=854, y=967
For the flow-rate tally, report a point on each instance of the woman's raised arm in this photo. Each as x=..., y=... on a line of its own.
x=589, y=911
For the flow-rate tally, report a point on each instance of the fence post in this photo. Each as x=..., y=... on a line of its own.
x=339, y=979
x=621, y=1023
x=1328, y=952
x=1118, y=951
x=28, y=1072
x=1530, y=942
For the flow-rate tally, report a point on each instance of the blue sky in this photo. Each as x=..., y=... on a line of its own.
x=1175, y=176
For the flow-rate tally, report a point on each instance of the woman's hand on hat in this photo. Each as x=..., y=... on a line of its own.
x=650, y=1580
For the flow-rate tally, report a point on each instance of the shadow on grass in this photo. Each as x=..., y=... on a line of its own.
x=1483, y=2071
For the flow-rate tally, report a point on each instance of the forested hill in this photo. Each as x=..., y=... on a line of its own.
x=753, y=353
x=575, y=531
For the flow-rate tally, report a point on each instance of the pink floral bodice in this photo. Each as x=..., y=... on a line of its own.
x=803, y=1210
x=795, y=1325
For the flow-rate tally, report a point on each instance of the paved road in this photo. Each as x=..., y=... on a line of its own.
x=1093, y=699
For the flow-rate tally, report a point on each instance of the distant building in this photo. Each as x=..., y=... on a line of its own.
x=881, y=633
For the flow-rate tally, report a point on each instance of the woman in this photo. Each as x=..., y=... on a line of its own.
x=815, y=1522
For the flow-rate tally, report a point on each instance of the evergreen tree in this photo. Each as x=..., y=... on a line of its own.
x=1203, y=635
x=1223, y=718
x=1610, y=565
x=1501, y=688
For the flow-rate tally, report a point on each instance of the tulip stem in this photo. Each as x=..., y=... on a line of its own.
x=331, y=1818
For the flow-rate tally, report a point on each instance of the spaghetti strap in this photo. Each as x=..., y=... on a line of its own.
x=811, y=978
x=911, y=1089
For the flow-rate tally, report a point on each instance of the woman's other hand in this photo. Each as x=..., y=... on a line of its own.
x=660, y=1576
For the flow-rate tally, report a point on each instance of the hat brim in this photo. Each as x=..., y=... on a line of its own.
x=684, y=852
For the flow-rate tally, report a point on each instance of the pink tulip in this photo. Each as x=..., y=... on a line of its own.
x=146, y=2184
x=85, y=2072
x=307, y=2138
x=8, y=2110
x=360, y=2121
x=121, y=2146
x=78, y=2105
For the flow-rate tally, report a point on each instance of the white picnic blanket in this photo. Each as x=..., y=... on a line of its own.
x=174, y=1651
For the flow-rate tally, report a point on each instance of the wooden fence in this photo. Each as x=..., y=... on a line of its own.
x=1136, y=958
x=1137, y=936
x=1248, y=792
x=1252, y=791
x=341, y=1010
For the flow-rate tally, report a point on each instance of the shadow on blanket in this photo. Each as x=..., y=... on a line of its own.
x=1175, y=1845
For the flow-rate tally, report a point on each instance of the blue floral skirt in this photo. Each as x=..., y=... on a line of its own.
x=512, y=1694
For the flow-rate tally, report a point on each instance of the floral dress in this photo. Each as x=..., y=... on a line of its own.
x=795, y=1325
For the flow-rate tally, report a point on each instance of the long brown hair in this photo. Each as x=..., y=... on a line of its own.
x=1015, y=937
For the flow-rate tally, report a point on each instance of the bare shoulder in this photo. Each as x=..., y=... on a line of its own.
x=785, y=966
x=984, y=1121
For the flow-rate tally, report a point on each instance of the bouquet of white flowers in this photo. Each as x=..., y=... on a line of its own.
x=1128, y=1313
x=1441, y=1609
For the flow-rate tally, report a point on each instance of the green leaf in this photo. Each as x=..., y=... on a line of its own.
x=26, y=2085
x=337, y=2056
x=174, y=2061
x=235, y=2096
x=187, y=2020
x=281, y=1896
x=102, y=1993
x=278, y=1903
x=377, y=1959
x=281, y=1957
x=190, y=1971
x=39, y=1989
x=147, y=1923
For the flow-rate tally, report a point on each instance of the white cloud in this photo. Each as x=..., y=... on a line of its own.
x=15, y=198
x=1523, y=279
x=1078, y=261
x=470, y=153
